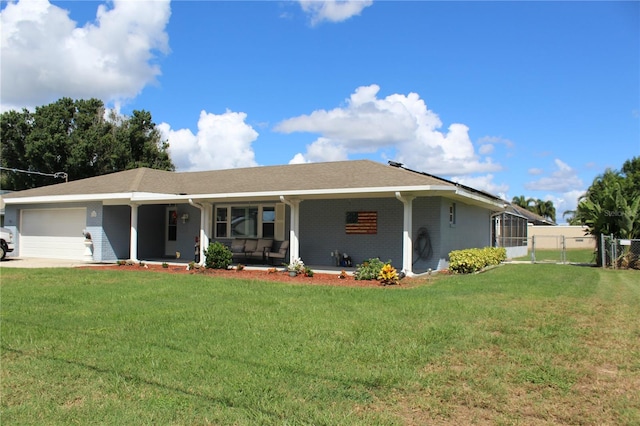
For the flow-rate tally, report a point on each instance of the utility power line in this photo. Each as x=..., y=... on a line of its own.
x=57, y=175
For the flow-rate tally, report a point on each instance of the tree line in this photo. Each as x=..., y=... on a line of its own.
x=79, y=138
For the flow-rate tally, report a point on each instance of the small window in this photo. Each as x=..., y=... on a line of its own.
x=268, y=222
x=221, y=222
x=452, y=214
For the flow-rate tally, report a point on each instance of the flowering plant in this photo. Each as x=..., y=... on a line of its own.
x=296, y=266
x=388, y=275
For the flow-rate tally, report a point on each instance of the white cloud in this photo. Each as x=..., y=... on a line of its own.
x=535, y=171
x=563, y=179
x=486, y=149
x=333, y=10
x=484, y=183
x=46, y=55
x=495, y=140
x=403, y=123
x=222, y=142
x=564, y=202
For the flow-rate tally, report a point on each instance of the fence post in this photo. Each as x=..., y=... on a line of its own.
x=533, y=249
x=614, y=255
x=563, y=253
x=603, y=255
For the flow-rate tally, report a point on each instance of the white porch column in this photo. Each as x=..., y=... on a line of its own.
x=205, y=229
x=133, y=243
x=407, y=226
x=294, y=219
x=205, y=219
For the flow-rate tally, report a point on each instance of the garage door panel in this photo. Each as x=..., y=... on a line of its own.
x=55, y=223
x=53, y=247
x=53, y=233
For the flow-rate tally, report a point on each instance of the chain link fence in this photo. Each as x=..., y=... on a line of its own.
x=619, y=253
x=562, y=249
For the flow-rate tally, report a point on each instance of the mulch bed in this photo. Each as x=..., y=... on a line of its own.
x=277, y=275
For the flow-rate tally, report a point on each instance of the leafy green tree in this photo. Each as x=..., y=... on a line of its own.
x=75, y=137
x=571, y=220
x=611, y=205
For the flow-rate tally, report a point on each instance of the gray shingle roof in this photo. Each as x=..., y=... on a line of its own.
x=294, y=177
x=320, y=178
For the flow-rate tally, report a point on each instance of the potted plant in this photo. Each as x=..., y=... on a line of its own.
x=296, y=267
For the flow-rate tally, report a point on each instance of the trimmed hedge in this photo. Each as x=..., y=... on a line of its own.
x=472, y=260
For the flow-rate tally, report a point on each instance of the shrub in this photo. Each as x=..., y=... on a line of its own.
x=472, y=260
x=217, y=256
x=165, y=265
x=369, y=269
x=308, y=272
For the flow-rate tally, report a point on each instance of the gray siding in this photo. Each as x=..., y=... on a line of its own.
x=322, y=231
x=116, y=226
x=189, y=231
x=471, y=230
x=426, y=235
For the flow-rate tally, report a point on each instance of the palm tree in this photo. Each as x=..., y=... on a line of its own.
x=522, y=201
x=572, y=217
x=546, y=209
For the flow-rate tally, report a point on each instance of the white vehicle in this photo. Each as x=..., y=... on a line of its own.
x=6, y=242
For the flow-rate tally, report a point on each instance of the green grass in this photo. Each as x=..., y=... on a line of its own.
x=519, y=344
x=585, y=256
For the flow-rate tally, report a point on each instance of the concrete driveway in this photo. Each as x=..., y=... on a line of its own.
x=32, y=262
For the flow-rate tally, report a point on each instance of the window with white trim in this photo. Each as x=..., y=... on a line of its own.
x=247, y=221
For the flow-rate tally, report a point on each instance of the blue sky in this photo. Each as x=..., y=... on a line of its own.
x=517, y=98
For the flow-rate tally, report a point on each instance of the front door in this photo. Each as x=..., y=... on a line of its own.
x=171, y=231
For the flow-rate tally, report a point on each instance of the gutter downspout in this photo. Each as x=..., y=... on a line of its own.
x=203, y=238
x=407, y=226
x=294, y=219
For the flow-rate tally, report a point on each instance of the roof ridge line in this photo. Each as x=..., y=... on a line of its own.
x=138, y=178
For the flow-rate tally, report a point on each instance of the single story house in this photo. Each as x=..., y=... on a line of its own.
x=362, y=208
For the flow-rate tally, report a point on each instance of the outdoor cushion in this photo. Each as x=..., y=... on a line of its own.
x=237, y=246
x=250, y=246
x=263, y=244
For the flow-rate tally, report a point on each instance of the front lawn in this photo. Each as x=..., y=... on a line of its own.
x=520, y=344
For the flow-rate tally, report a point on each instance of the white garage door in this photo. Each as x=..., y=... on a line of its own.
x=53, y=233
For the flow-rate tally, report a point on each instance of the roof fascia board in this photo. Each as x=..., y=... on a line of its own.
x=482, y=200
x=300, y=194
x=150, y=197
x=69, y=198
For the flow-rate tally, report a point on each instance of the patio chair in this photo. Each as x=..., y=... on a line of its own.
x=278, y=251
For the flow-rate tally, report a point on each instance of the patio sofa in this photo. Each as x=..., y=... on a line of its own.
x=262, y=249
